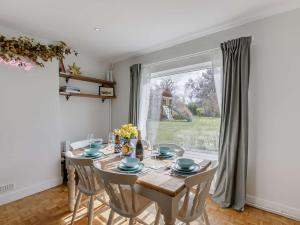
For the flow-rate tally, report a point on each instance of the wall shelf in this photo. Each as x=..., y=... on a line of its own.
x=100, y=82
x=68, y=95
x=86, y=78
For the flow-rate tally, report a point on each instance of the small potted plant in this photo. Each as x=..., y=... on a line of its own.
x=127, y=132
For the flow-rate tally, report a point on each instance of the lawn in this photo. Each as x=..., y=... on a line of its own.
x=201, y=133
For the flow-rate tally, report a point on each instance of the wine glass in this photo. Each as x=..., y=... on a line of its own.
x=187, y=143
x=90, y=138
x=100, y=141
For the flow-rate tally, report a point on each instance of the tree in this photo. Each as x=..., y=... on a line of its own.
x=202, y=91
x=167, y=83
x=192, y=106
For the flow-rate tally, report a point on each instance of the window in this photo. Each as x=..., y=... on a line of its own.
x=184, y=107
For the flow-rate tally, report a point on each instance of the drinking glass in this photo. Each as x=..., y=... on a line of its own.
x=111, y=140
x=154, y=153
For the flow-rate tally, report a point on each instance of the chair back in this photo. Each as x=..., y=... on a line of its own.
x=173, y=147
x=79, y=144
x=89, y=182
x=82, y=143
x=121, y=191
x=197, y=190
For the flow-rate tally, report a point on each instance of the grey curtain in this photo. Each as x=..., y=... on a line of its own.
x=135, y=80
x=233, y=143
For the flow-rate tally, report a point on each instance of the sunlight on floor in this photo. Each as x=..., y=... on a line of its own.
x=51, y=208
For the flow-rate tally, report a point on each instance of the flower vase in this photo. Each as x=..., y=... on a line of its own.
x=127, y=147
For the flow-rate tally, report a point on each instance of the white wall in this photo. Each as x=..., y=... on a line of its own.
x=29, y=141
x=273, y=179
x=34, y=120
x=80, y=116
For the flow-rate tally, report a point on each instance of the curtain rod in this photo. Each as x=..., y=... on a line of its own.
x=181, y=57
x=186, y=56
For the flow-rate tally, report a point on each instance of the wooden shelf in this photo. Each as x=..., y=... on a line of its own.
x=68, y=95
x=86, y=78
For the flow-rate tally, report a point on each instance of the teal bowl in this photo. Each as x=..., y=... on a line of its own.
x=96, y=145
x=164, y=150
x=130, y=162
x=185, y=163
x=91, y=151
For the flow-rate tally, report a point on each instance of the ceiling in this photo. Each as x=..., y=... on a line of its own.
x=131, y=27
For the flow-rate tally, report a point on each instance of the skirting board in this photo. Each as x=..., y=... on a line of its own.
x=27, y=191
x=274, y=207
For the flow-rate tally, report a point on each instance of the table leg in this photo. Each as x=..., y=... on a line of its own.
x=169, y=209
x=71, y=187
x=167, y=204
x=169, y=220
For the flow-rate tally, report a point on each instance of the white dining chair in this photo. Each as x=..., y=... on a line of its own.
x=89, y=184
x=179, y=151
x=82, y=143
x=192, y=206
x=79, y=144
x=123, y=197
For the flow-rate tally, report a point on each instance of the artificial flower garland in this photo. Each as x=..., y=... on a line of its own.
x=15, y=48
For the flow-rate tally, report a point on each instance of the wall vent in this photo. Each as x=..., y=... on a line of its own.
x=7, y=187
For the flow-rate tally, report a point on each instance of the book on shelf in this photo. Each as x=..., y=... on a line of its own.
x=69, y=89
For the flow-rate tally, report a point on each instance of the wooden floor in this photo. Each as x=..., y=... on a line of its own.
x=50, y=208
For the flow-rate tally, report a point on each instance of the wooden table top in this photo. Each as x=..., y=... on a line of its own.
x=157, y=179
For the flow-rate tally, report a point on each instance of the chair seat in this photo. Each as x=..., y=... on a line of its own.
x=142, y=204
x=97, y=189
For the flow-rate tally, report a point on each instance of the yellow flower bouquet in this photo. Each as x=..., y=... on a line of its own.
x=127, y=132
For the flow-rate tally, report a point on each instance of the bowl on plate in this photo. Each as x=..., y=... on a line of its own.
x=185, y=163
x=96, y=144
x=91, y=151
x=130, y=162
x=164, y=150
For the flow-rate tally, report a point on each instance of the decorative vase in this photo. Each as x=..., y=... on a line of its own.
x=127, y=147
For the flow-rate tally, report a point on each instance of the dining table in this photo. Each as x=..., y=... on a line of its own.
x=155, y=182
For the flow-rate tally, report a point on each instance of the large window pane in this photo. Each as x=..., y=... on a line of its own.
x=184, y=110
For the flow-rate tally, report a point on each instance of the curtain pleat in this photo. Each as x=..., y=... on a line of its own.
x=134, y=98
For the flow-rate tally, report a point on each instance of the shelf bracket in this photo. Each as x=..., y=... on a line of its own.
x=67, y=97
x=67, y=79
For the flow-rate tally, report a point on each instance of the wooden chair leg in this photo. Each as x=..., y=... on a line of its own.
x=157, y=217
x=111, y=217
x=205, y=217
x=91, y=211
x=78, y=199
x=200, y=220
x=131, y=221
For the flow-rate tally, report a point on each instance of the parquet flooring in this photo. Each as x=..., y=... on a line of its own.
x=50, y=208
